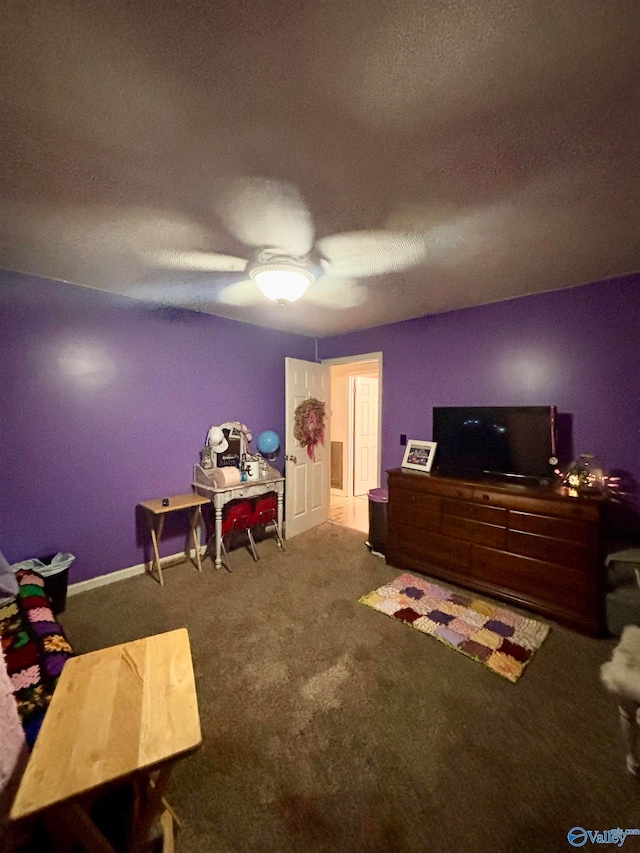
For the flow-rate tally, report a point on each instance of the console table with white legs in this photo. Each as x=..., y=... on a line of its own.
x=203, y=485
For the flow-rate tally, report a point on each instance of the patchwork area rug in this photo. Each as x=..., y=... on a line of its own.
x=501, y=640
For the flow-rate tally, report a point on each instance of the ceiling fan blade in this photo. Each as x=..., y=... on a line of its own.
x=333, y=292
x=265, y=212
x=196, y=291
x=358, y=254
x=240, y=293
x=99, y=231
x=198, y=261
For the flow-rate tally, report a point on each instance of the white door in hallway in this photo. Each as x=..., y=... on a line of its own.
x=307, y=483
x=365, y=435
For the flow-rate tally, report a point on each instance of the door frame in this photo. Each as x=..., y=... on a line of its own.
x=356, y=359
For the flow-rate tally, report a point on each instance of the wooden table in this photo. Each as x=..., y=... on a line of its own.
x=156, y=511
x=273, y=482
x=125, y=713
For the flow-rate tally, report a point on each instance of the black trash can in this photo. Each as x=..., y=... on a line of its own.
x=378, y=500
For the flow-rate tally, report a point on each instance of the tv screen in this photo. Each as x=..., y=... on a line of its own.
x=507, y=441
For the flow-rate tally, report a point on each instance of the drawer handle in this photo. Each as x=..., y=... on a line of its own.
x=459, y=493
x=485, y=497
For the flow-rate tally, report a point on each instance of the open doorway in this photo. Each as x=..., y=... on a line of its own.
x=356, y=405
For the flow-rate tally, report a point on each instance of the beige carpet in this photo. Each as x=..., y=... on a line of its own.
x=329, y=728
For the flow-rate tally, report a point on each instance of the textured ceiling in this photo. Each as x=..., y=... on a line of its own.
x=501, y=137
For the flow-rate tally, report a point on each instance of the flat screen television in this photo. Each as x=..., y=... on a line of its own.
x=511, y=442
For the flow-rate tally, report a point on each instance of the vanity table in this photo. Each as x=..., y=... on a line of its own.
x=220, y=496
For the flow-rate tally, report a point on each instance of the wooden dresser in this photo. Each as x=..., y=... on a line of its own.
x=528, y=545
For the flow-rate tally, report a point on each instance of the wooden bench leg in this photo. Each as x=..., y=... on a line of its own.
x=72, y=822
x=151, y=808
x=168, y=840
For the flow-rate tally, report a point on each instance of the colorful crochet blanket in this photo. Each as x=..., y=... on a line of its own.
x=35, y=650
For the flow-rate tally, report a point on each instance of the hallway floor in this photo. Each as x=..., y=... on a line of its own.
x=350, y=512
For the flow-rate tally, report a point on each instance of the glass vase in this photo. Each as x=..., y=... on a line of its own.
x=585, y=475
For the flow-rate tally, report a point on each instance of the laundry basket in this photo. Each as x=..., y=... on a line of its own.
x=55, y=571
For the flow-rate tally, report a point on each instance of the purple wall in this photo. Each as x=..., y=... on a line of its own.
x=106, y=402
x=577, y=349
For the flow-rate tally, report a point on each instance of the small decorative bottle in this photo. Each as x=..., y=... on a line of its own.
x=264, y=468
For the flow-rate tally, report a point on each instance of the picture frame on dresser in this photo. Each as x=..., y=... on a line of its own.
x=419, y=455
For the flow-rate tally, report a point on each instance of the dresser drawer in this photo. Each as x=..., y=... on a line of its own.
x=544, y=525
x=474, y=531
x=476, y=512
x=428, y=547
x=556, y=507
x=449, y=489
x=410, y=508
x=563, y=587
x=415, y=498
x=556, y=551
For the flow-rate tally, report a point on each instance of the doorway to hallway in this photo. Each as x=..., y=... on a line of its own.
x=350, y=512
x=356, y=402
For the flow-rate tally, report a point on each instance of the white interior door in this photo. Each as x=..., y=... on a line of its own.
x=307, y=483
x=365, y=435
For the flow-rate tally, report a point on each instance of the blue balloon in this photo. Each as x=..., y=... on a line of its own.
x=268, y=441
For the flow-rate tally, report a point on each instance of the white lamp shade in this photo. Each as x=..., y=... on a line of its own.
x=282, y=285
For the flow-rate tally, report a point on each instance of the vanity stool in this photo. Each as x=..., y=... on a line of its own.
x=238, y=518
x=266, y=512
x=621, y=677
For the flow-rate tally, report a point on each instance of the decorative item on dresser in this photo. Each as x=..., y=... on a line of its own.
x=419, y=455
x=585, y=475
x=533, y=546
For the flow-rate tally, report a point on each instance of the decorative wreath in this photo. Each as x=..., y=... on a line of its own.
x=308, y=428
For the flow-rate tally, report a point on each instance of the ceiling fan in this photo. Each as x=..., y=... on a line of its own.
x=283, y=260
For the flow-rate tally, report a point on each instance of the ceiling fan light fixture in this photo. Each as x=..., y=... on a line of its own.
x=282, y=282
